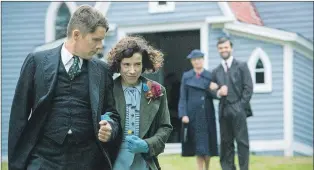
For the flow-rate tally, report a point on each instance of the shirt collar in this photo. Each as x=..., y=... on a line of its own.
x=199, y=73
x=138, y=87
x=66, y=56
x=229, y=62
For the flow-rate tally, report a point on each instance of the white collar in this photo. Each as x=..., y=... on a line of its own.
x=229, y=62
x=66, y=56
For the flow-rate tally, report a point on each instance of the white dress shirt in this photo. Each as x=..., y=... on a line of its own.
x=229, y=62
x=67, y=60
x=223, y=63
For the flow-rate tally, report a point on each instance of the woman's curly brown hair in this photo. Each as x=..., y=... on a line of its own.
x=152, y=58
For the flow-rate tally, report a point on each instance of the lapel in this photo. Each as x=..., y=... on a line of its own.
x=50, y=70
x=120, y=100
x=220, y=75
x=147, y=111
x=233, y=70
x=94, y=78
x=201, y=83
x=51, y=66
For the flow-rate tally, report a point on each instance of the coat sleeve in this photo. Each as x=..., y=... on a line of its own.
x=213, y=93
x=157, y=142
x=247, y=84
x=22, y=103
x=113, y=145
x=182, y=109
x=110, y=106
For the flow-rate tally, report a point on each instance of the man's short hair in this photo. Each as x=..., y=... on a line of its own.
x=86, y=19
x=222, y=40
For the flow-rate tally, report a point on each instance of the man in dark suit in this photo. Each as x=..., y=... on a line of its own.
x=59, y=99
x=236, y=88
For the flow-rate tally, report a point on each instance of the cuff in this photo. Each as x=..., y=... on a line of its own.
x=218, y=96
x=106, y=116
x=114, y=131
x=145, y=147
x=151, y=151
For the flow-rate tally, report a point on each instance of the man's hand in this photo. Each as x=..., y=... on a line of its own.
x=223, y=91
x=185, y=119
x=104, y=132
x=213, y=86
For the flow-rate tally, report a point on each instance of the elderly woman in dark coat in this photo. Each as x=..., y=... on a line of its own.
x=197, y=112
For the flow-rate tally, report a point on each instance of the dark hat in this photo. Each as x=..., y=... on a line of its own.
x=195, y=54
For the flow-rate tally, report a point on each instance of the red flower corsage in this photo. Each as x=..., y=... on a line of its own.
x=153, y=90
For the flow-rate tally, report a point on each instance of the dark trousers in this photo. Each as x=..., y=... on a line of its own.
x=233, y=125
x=49, y=155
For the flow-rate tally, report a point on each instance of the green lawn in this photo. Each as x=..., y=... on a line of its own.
x=176, y=162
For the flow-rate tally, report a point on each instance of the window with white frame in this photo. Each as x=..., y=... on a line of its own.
x=161, y=6
x=62, y=20
x=57, y=18
x=261, y=71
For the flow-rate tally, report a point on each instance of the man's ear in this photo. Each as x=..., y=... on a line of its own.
x=76, y=34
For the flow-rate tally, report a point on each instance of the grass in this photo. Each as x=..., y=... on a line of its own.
x=176, y=162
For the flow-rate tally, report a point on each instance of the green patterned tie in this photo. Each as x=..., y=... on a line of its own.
x=75, y=68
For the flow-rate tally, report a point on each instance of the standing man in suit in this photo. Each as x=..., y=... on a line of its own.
x=60, y=96
x=236, y=89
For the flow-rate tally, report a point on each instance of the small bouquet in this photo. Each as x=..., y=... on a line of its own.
x=153, y=90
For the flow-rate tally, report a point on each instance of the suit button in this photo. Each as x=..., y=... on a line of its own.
x=202, y=106
x=202, y=97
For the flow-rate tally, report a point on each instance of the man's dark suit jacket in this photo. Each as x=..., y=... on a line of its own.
x=31, y=105
x=241, y=81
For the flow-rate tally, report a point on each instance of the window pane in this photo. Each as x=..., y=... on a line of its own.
x=63, y=17
x=162, y=3
x=259, y=64
x=259, y=70
x=259, y=77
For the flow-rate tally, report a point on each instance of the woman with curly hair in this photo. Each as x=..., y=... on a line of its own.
x=141, y=103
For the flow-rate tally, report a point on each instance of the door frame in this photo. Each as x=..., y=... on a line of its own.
x=203, y=27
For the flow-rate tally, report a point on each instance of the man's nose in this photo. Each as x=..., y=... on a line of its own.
x=99, y=46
